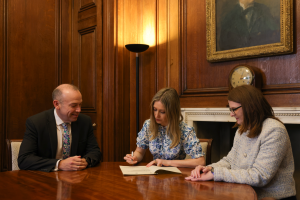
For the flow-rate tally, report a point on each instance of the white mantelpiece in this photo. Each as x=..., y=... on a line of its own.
x=288, y=115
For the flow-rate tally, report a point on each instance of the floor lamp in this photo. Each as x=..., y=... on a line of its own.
x=137, y=48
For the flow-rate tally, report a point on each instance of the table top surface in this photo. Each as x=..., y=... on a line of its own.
x=106, y=181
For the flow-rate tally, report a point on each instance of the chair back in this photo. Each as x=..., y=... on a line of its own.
x=13, y=147
x=206, y=150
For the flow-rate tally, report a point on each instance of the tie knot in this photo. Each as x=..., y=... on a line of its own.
x=65, y=125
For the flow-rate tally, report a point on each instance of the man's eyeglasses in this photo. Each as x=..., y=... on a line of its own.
x=234, y=109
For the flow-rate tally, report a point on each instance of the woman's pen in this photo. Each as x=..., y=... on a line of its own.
x=132, y=155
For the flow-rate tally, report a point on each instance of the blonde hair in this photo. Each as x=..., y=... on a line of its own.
x=170, y=100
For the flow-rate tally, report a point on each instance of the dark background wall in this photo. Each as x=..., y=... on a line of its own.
x=46, y=43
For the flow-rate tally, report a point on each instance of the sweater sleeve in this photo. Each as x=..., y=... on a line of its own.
x=272, y=149
x=226, y=161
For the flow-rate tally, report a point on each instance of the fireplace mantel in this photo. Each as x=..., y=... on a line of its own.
x=288, y=115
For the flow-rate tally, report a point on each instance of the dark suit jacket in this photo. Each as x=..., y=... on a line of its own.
x=38, y=149
x=235, y=33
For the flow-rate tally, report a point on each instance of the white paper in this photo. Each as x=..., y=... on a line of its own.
x=141, y=170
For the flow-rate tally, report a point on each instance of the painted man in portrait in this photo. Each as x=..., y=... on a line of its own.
x=248, y=24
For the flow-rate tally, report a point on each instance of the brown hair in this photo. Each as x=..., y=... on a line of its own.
x=170, y=99
x=255, y=109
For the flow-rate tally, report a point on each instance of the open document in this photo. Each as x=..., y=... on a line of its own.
x=141, y=170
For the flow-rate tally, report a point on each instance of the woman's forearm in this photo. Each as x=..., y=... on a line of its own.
x=191, y=163
x=139, y=153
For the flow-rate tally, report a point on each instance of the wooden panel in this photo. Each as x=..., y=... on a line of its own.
x=131, y=13
x=87, y=23
x=174, y=60
x=147, y=67
x=122, y=89
x=147, y=62
x=2, y=83
x=64, y=41
x=31, y=56
x=85, y=3
x=87, y=13
x=99, y=79
x=87, y=59
x=108, y=81
x=162, y=44
x=87, y=69
x=32, y=67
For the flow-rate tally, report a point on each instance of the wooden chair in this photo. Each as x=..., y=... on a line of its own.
x=206, y=149
x=13, y=147
x=206, y=143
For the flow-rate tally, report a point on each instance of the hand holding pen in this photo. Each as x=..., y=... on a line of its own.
x=130, y=158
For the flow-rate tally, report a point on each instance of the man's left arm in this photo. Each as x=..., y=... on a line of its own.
x=93, y=154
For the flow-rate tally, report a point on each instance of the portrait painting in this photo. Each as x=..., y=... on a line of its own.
x=238, y=29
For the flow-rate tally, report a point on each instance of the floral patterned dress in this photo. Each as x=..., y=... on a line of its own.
x=160, y=146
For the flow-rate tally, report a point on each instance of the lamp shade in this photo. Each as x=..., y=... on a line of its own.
x=137, y=48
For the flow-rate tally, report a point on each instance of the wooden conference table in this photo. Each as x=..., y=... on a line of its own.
x=106, y=181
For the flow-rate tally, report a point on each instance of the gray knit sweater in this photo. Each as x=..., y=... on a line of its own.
x=265, y=162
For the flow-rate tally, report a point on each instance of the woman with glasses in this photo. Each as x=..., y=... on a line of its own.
x=261, y=155
x=168, y=138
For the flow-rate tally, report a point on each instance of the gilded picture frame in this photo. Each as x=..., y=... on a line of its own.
x=266, y=29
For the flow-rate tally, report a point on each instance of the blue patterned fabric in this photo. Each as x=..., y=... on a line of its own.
x=66, y=141
x=160, y=146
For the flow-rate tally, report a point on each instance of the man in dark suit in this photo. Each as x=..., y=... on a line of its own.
x=60, y=138
x=248, y=24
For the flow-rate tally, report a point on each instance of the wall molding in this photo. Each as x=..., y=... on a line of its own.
x=288, y=115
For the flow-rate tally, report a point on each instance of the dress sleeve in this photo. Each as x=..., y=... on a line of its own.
x=192, y=144
x=142, y=140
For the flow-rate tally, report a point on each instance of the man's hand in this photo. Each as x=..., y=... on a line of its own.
x=74, y=163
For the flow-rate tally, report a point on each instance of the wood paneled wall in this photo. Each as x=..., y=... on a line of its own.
x=86, y=66
x=205, y=84
x=34, y=45
x=45, y=43
x=178, y=58
x=2, y=83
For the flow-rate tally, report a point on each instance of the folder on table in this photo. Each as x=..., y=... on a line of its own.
x=142, y=170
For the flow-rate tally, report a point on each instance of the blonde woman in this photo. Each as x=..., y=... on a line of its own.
x=168, y=138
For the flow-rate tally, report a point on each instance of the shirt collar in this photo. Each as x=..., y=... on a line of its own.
x=58, y=120
x=248, y=6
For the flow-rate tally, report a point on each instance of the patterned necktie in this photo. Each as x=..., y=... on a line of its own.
x=66, y=141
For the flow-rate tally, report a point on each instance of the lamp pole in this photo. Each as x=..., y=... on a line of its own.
x=137, y=78
x=137, y=48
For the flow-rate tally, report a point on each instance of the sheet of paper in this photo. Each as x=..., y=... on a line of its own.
x=135, y=170
x=141, y=170
x=154, y=168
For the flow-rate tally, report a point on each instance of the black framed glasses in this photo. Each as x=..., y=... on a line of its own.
x=234, y=109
